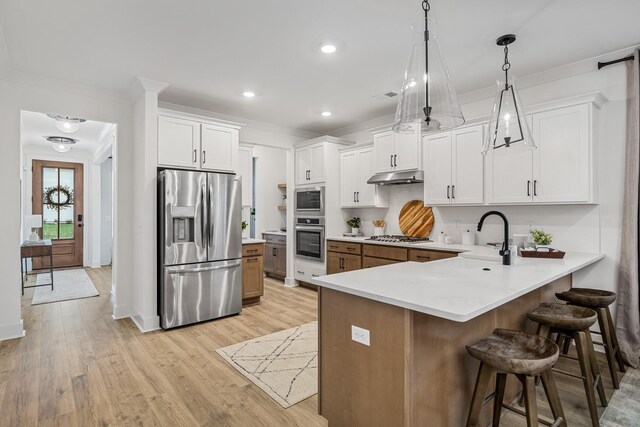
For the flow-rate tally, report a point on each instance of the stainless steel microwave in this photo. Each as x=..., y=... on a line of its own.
x=309, y=201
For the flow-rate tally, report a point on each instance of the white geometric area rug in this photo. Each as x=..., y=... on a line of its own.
x=67, y=285
x=284, y=364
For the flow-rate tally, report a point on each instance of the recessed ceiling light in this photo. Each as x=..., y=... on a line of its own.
x=326, y=113
x=328, y=48
x=249, y=94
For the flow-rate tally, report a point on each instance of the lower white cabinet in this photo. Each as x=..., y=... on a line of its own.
x=454, y=167
x=356, y=167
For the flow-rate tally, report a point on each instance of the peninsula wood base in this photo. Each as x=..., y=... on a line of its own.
x=416, y=371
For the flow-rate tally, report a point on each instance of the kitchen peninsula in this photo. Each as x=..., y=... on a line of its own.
x=417, y=318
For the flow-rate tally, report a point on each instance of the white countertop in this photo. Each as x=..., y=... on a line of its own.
x=456, y=288
x=488, y=253
x=275, y=232
x=249, y=241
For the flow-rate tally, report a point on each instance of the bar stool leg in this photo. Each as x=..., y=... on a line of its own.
x=609, y=349
x=501, y=382
x=530, y=405
x=595, y=369
x=614, y=340
x=587, y=375
x=551, y=391
x=482, y=384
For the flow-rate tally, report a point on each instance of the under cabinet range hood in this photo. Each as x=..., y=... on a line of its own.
x=397, y=178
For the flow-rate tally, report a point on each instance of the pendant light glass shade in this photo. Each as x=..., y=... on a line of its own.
x=66, y=124
x=508, y=128
x=61, y=148
x=445, y=110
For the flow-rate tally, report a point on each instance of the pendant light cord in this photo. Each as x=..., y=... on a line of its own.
x=506, y=66
x=427, y=108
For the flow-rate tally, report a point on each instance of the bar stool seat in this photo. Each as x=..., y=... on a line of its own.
x=524, y=355
x=561, y=316
x=595, y=298
x=599, y=300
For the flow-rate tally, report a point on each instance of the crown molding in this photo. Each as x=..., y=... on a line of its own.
x=141, y=85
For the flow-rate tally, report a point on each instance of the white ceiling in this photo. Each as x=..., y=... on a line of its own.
x=211, y=51
x=36, y=126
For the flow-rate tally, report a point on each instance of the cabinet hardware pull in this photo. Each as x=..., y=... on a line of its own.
x=535, y=187
x=204, y=157
x=391, y=160
x=340, y=263
x=252, y=259
x=354, y=197
x=252, y=250
x=351, y=249
x=423, y=257
x=273, y=251
x=333, y=247
x=529, y=188
x=358, y=196
x=395, y=160
x=448, y=189
x=453, y=191
x=298, y=271
x=195, y=153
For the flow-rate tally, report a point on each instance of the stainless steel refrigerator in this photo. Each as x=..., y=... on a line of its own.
x=200, y=246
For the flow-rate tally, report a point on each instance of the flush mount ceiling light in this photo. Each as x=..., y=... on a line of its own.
x=66, y=124
x=61, y=144
x=508, y=127
x=427, y=99
x=326, y=113
x=248, y=94
x=328, y=48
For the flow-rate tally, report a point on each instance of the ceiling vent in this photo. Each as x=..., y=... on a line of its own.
x=386, y=95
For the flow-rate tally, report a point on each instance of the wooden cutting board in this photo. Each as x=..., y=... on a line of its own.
x=416, y=219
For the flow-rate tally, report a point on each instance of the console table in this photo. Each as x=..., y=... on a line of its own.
x=30, y=249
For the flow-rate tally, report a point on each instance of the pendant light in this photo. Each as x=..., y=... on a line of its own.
x=61, y=144
x=66, y=124
x=427, y=100
x=508, y=128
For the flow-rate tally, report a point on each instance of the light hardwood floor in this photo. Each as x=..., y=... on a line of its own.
x=78, y=367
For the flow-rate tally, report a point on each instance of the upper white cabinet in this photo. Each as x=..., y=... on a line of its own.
x=193, y=143
x=178, y=142
x=558, y=171
x=356, y=167
x=245, y=170
x=395, y=151
x=310, y=168
x=454, y=167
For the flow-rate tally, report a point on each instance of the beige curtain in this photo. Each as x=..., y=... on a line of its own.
x=628, y=302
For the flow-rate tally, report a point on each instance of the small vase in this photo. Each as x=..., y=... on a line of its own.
x=355, y=231
x=378, y=231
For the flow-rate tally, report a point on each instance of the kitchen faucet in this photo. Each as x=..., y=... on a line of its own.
x=505, y=252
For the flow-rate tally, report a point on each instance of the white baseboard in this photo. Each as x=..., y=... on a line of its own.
x=8, y=332
x=120, y=312
x=146, y=324
x=290, y=282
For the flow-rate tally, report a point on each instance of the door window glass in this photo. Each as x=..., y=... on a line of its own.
x=58, y=208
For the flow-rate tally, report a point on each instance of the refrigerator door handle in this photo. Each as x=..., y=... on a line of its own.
x=210, y=215
x=200, y=270
x=203, y=201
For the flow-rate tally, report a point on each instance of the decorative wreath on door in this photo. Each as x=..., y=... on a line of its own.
x=58, y=197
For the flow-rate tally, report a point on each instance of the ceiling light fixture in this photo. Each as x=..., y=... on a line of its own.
x=326, y=113
x=66, y=124
x=508, y=125
x=328, y=48
x=249, y=94
x=61, y=144
x=427, y=99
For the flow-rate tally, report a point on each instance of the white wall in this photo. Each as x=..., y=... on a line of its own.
x=24, y=92
x=593, y=228
x=271, y=169
x=106, y=211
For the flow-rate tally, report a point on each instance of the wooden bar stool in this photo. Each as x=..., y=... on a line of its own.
x=524, y=355
x=574, y=321
x=599, y=301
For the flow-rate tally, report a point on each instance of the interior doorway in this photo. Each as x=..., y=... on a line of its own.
x=57, y=189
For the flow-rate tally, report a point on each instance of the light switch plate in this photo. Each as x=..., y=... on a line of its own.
x=360, y=335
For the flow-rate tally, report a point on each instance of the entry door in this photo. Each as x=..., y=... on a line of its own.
x=57, y=196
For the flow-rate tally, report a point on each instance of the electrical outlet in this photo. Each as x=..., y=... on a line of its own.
x=360, y=335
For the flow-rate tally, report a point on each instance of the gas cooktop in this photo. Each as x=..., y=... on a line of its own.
x=399, y=239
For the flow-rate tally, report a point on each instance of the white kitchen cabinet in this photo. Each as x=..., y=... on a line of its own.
x=454, y=167
x=245, y=170
x=356, y=167
x=396, y=151
x=558, y=171
x=219, y=148
x=188, y=141
x=309, y=164
x=178, y=142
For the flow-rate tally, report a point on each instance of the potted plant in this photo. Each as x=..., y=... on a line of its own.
x=540, y=238
x=354, y=223
x=245, y=224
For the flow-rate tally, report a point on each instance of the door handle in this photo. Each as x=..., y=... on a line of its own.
x=204, y=157
x=529, y=188
x=195, y=153
x=448, y=189
x=535, y=187
x=453, y=191
x=395, y=160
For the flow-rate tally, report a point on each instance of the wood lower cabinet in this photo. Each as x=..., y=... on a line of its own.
x=275, y=255
x=252, y=273
x=377, y=255
x=421, y=255
x=339, y=263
